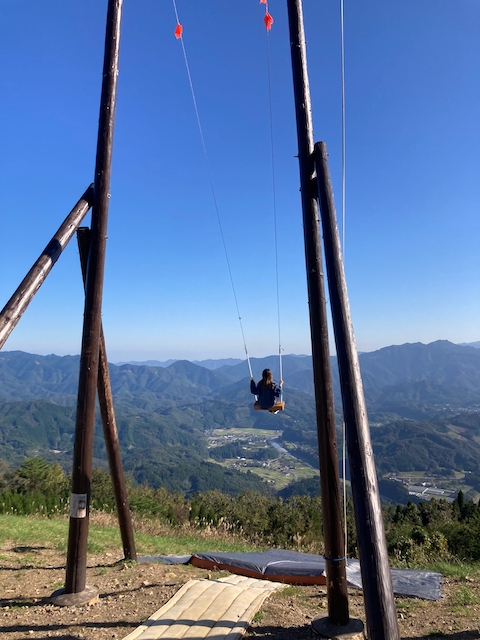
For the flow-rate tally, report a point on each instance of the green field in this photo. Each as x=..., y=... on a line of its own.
x=278, y=472
x=265, y=433
x=458, y=481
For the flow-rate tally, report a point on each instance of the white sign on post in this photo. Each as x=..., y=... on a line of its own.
x=78, y=505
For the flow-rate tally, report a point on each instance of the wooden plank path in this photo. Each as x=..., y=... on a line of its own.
x=220, y=609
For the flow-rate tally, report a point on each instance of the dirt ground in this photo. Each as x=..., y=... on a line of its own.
x=130, y=593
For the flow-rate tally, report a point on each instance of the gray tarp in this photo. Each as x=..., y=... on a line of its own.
x=279, y=562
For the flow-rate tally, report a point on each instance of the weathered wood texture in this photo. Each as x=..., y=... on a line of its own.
x=110, y=432
x=87, y=388
x=327, y=440
x=376, y=577
x=18, y=303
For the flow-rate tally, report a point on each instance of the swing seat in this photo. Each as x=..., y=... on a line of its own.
x=278, y=406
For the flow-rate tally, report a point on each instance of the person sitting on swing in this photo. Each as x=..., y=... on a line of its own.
x=266, y=390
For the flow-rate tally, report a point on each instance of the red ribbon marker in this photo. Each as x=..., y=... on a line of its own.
x=178, y=31
x=267, y=18
x=268, y=21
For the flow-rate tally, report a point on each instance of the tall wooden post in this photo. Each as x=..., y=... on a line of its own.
x=327, y=440
x=83, y=454
x=376, y=576
x=18, y=303
x=110, y=432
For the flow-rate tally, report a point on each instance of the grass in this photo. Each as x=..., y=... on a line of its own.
x=464, y=597
x=408, y=605
x=259, y=616
x=57, y=585
x=457, y=570
x=287, y=592
x=25, y=531
x=151, y=538
x=183, y=544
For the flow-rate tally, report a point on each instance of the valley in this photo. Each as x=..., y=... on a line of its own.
x=262, y=455
x=188, y=427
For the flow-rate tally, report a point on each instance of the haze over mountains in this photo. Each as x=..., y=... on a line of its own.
x=208, y=364
x=423, y=403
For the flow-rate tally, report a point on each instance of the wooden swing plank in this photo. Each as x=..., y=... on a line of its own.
x=278, y=406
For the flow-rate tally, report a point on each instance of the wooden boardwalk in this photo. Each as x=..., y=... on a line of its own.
x=220, y=609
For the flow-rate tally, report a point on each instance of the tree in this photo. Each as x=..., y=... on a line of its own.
x=36, y=474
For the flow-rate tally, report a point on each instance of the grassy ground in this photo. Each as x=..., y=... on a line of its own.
x=32, y=561
x=151, y=538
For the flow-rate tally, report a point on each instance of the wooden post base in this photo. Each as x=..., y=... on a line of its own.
x=88, y=596
x=354, y=630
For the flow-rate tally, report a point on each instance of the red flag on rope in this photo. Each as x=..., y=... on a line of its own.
x=268, y=20
x=178, y=31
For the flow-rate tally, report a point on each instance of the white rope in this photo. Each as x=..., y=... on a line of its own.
x=344, y=434
x=342, y=26
x=274, y=202
x=212, y=188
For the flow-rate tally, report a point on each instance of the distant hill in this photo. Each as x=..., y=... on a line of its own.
x=147, y=363
x=438, y=447
x=434, y=374
x=441, y=362
x=162, y=417
x=290, y=363
x=158, y=448
x=164, y=413
x=208, y=364
x=417, y=446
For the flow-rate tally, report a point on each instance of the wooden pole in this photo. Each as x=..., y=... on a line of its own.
x=376, y=577
x=325, y=409
x=89, y=361
x=110, y=432
x=18, y=303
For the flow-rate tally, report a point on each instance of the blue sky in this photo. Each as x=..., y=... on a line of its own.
x=412, y=173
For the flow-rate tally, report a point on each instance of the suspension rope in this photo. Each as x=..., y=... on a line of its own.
x=344, y=433
x=342, y=28
x=179, y=35
x=268, y=23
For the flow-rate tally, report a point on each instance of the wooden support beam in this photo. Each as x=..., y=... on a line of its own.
x=89, y=361
x=18, y=303
x=110, y=432
x=325, y=410
x=376, y=577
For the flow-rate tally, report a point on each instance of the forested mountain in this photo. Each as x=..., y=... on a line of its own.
x=441, y=362
x=429, y=392
x=437, y=373
x=419, y=446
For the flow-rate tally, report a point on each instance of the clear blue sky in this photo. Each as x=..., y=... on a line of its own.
x=413, y=171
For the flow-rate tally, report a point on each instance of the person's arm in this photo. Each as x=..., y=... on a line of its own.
x=253, y=388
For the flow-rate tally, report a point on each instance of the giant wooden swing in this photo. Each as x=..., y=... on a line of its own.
x=278, y=406
x=379, y=603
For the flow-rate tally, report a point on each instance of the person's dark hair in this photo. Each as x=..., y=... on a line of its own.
x=267, y=378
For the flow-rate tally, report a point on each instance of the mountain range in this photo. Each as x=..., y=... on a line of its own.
x=423, y=403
